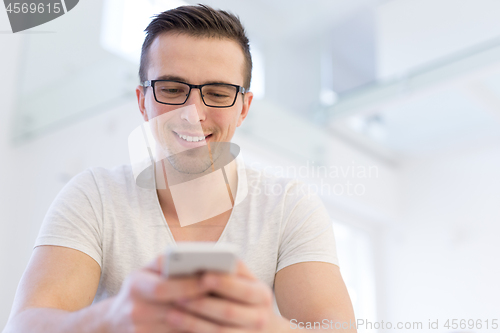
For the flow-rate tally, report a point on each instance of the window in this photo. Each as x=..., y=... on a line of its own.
x=354, y=248
x=124, y=21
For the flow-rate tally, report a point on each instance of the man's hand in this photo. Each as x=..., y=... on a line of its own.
x=145, y=299
x=236, y=303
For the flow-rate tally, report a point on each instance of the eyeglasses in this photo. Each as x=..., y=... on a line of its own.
x=216, y=95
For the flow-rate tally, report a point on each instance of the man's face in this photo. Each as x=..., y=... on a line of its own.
x=194, y=60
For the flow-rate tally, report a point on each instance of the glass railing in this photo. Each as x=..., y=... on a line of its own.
x=378, y=94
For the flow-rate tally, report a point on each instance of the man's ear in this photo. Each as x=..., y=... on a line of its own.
x=139, y=92
x=247, y=101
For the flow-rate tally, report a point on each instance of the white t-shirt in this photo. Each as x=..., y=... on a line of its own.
x=104, y=214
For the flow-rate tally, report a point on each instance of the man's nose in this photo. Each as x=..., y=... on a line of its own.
x=196, y=110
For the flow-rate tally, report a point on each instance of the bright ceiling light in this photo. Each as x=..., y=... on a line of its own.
x=328, y=97
x=372, y=126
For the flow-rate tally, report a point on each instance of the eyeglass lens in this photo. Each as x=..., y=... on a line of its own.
x=177, y=93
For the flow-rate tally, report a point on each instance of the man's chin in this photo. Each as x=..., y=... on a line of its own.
x=189, y=164
x=199, y=160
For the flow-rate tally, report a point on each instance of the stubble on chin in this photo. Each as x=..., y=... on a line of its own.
x=199, y=160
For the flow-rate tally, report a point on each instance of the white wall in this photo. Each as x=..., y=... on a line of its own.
x=10, y=268
x=442, y=258
x=293, y=77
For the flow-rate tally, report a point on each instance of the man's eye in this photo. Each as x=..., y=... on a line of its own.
x=171, y=91
x=218, y=95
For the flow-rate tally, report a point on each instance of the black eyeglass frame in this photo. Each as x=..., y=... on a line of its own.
x=151, y=83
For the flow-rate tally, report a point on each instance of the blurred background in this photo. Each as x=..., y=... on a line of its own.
x=390, y=110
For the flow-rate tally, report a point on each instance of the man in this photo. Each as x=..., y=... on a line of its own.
x=85, y=273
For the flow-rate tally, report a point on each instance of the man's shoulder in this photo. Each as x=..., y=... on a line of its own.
x=118, y=173
x=103, y=178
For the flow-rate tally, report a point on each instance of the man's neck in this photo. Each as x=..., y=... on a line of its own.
x=214, y=198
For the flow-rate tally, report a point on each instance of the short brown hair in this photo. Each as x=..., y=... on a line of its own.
x=197, y=21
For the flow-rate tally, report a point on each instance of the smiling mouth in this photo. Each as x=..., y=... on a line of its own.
x=189, y=138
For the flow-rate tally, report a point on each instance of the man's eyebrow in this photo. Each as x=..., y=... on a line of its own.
x=171, y=78
x=181, y=79
x=217, y=82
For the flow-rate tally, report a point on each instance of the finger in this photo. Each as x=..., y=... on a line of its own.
x=153, y=287
x=185, y=322
x=156, y=266
x=149, y=312
x=237, y=289
x=243, y=271
x=161, y=328
x=225, y=312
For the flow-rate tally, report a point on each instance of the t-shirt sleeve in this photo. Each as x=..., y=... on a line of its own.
x=74, y=219
x=307, y=230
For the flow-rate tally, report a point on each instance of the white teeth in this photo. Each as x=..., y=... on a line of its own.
x=191, y=138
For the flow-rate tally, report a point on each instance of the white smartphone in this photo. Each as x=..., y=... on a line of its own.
x=190, y=258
